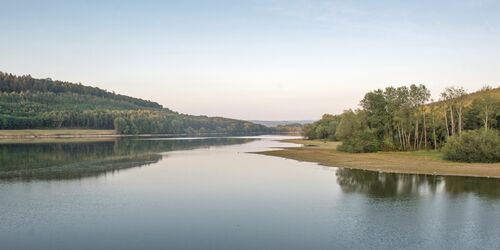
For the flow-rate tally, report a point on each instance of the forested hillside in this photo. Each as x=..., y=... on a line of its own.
x=10, y=83
x=29, y=103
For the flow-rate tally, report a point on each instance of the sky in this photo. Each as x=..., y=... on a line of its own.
x=255, y=59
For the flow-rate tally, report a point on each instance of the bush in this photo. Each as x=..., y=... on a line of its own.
x=473, y=146
x=388, y=145
x=120, y=125
x=360, y=142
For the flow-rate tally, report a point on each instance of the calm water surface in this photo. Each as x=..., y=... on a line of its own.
x=213, y=194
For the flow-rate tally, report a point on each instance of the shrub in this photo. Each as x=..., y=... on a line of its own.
x=120, y=125
x=360, y=142
x=473, y=146
x=388, y=145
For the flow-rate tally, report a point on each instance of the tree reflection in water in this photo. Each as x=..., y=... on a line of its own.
x=384, y=185
x=68, y=160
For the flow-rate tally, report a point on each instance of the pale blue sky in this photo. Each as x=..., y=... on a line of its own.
x=257, y=59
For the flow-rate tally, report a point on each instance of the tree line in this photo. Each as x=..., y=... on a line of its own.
x=153, y=122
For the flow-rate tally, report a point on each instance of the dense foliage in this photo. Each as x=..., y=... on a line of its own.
x=473, y=146
x=355, y=134
x=405, y=118
x=325, y=128
x=154, y=122
x=294, y=128
x=28, y=103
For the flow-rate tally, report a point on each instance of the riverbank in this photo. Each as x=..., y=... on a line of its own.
x=54, y=133
x=68, y=134
x=419, y=162
x=101, y=133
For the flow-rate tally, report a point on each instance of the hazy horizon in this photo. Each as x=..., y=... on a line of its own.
x=257, y=60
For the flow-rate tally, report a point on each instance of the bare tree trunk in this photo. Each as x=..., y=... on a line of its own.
x=452, y=121
x=415, y=140
x=421, y=138
x=425, y=133
x=401, y=136
x=400, y=139
x=433, y=119
x=435, y=140
x=486, y=119
x=408, y=138
x=446, y=122
x=460, y=119
x=403, y=143
x=405, y=140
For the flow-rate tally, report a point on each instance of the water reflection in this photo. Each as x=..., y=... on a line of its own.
x=224, y=199
x=386, y=185
x=68, y=160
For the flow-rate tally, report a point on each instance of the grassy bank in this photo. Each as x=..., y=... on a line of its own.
x=419, y=162
x=51, y=133
x=37, y=140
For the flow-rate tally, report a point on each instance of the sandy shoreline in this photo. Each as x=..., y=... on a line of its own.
x=421, y=162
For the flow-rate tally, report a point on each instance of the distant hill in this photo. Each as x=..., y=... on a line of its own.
x=30, y=103
x=282, y=123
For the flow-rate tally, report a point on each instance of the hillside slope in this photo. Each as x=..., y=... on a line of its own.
x=29, y=103
x=494, y=93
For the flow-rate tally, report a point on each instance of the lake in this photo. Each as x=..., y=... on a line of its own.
x=215, y=193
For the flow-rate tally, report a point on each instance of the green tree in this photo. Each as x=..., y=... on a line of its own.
x=487, y=106
x=121, y=125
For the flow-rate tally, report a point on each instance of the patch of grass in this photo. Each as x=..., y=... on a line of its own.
x=38, y=134
x=54, y=140
x=47, y=132
x=315, y=143
x=429, y=154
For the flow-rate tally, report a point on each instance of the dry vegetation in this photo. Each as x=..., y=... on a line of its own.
x=417, y=162
x=50, y=133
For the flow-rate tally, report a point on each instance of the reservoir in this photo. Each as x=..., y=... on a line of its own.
x=216, y=193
